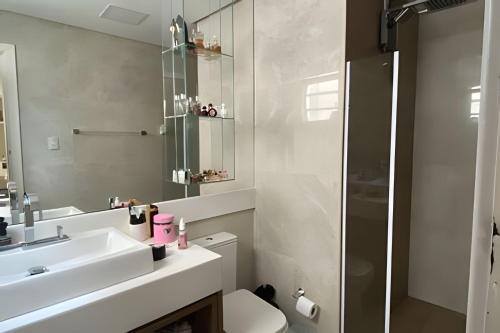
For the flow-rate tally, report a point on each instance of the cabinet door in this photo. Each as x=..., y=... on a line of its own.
x=205, y=316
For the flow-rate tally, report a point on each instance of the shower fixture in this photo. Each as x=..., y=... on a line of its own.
x=391, y=17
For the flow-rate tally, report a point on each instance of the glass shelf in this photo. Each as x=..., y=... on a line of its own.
x=198, y=143
x=199, y=117
x=190, y=49
x=213, y=181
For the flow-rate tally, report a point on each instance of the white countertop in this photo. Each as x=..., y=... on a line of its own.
x=179, y=280
x=182, y=278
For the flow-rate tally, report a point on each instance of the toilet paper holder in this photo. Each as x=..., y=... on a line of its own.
x=300, y=292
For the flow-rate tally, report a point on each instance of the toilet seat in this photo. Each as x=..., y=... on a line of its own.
x=246, y=313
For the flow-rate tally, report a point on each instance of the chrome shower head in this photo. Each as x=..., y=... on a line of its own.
x=427, y=6
x=403, y=13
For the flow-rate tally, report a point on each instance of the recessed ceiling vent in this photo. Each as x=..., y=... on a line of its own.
x=123, y=15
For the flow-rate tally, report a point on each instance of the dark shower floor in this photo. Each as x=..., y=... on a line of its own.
x=415, y=316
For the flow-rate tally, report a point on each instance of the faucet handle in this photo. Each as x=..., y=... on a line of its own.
x=60, y=232
x=33, y=200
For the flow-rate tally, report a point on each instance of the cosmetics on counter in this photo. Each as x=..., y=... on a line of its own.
x=138, y=226
x=164, y=229
x=183, y=237
x=159, y=251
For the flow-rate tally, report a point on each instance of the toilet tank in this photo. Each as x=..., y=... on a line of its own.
x=226, y=245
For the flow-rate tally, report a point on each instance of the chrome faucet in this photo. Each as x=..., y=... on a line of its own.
x=31, y=205
x=14, y=202
x=27, y=245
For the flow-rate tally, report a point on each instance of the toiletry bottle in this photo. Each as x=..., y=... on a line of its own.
x=223, y=110
x=111, y=203
x=174, y=31
x=204, y=111
x=197, y=106
x=198, y=38
x=153, y=211
x=183, y=237
x=215, y=45
x=184, y=103
x=212, y=112
x=177, y=105
x=193, y=36
x=190, y=108
x=181, y=176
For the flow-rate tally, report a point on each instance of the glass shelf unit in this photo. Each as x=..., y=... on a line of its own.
x=198, y=148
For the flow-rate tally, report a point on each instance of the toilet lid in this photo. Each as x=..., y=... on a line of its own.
x=246, y=313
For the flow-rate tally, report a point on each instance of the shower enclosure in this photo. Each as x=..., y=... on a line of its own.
x=410, y=141
x=369, y=158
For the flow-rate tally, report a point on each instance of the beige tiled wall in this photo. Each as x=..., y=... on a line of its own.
x=299, y=48
x=444, y=155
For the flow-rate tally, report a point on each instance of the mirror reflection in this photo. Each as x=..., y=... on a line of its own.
x=82, y=101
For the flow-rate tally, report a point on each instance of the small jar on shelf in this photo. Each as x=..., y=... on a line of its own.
x=215, y=45
x=223, y=111
x=198, y=38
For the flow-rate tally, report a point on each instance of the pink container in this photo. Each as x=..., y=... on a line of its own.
x=164, y=229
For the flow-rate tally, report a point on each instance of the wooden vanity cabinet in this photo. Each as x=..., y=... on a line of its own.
x=205, y=316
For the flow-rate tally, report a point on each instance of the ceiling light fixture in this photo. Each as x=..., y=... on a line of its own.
x=123, y=15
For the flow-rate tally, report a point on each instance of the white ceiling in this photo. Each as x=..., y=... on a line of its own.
x=85, y=14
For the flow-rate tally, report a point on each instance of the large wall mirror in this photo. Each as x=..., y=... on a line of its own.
x=82, y=108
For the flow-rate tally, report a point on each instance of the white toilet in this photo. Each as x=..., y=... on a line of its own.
x=360, y=274
x=243, y=311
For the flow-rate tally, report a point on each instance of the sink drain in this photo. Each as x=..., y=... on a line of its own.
x=37, y=270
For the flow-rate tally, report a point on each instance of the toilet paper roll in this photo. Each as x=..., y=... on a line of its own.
x=306, y=307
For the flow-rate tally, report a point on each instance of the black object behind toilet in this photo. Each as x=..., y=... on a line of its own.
x=267, y=292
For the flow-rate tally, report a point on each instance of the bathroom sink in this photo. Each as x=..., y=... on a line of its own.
x=47, y=213
x=56, y=213
x=88, y=262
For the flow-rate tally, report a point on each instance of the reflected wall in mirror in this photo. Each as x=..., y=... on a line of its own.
x=82, y=105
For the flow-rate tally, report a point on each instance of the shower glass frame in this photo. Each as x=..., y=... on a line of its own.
x=368, y=191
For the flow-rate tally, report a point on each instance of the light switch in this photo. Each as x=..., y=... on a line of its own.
x=53, y=143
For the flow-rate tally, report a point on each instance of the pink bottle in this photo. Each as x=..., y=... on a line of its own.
x=183, y=237
x=164, y=229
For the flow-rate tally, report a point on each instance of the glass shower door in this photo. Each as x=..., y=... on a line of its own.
x=368, y=192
